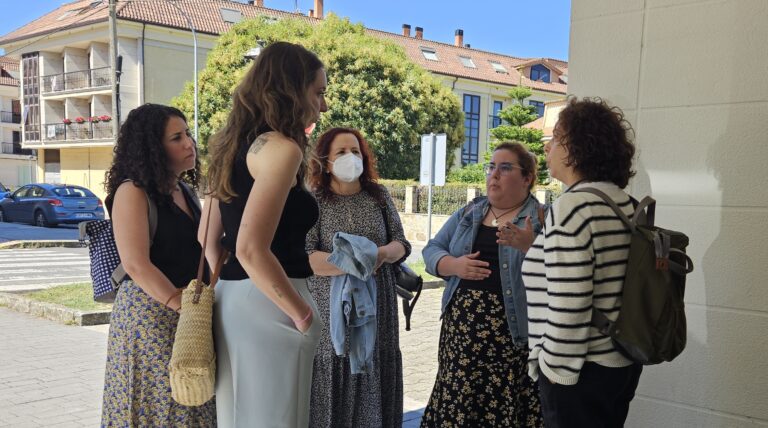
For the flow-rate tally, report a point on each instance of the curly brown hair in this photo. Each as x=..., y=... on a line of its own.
x=320, y=177
x=139, y=155
x=598, y=139
x=272, y=93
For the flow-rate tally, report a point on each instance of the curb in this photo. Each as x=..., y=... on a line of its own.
x=40, y=244
x=53, y=312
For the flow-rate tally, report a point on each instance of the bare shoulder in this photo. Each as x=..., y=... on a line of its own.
x=272, y=139
x=129, y=199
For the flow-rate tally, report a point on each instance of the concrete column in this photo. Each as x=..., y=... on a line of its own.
x=410, y=199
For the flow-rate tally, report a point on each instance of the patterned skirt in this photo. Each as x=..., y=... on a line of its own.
x=481, y=376
x=137, y=392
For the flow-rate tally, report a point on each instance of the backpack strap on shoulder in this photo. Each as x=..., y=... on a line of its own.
x=607, y=199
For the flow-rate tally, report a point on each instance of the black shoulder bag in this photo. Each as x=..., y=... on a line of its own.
x=408, y=284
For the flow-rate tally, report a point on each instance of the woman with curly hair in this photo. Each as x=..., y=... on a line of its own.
x=153, y=158
x=578, y=264
x=265, y=321
x=344, y=181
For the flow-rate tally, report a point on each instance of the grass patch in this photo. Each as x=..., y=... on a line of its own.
x=76, y=296
x=421, y=269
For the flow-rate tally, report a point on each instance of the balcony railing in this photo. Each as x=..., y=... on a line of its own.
x=10, y=117
x=14, y=149
x=82, y=79
x=76, y=131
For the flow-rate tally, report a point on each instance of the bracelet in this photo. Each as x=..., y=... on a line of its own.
x=177, y=293
x=305, y=318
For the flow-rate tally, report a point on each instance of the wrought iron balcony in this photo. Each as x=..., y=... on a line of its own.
x=14, y=149
x=95, y=78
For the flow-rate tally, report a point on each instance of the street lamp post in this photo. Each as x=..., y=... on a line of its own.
x=194, y=42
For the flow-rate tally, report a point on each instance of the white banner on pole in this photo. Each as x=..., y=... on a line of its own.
x=430, y=163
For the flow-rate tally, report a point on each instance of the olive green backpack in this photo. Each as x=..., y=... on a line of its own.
x=651, y=326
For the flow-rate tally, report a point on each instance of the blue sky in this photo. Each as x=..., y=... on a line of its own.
x=525, y=28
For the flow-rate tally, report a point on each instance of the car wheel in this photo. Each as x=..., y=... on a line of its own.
x=40, y=219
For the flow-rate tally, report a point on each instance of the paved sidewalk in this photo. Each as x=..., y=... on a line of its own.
x=51, y=375
x=25, y=232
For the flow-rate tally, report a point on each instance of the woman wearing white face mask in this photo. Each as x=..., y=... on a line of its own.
x=350, y=200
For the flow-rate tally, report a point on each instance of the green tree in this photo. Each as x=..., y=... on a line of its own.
x=372, y=86
x=517, y=115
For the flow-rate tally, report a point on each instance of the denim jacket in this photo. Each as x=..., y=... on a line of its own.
x=456, y=239
x=353, y=299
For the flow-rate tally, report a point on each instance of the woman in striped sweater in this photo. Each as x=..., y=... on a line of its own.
x=578, y=264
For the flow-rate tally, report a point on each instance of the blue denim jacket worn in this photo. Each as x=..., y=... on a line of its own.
x=353, y=299
x=456, y=239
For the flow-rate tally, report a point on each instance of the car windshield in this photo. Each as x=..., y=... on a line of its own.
x=73, y=192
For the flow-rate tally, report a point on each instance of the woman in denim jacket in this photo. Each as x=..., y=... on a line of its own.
x=481, y=377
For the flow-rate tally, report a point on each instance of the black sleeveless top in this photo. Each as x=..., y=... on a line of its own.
x=175, y=250
x=299, y=214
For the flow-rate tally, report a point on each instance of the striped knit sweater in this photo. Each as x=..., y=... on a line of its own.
x=578, y=262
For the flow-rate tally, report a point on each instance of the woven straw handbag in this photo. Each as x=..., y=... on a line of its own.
x=193, y=359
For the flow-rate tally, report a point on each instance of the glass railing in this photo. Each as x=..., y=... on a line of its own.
x=73, y=80
x=76, y=131
x=10, y=117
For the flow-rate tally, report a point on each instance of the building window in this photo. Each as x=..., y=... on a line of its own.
x=495, y=119
x=539, y=105
x=429, y=54
x=467, y=62
x=539, y=72
x=498, y=67
x=469, y=151
x=30, y=92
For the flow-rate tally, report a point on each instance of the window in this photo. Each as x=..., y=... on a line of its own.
x=539, y=72
x=496, y=120
x=498, y=67
x=429, y=54
x=469, y=151
x=73, y=192
x=539, y=105
x=21, y=193
x=467, y=62
x=231, y=16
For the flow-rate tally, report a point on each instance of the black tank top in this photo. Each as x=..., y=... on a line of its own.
x=299, y=215
x=175, y=250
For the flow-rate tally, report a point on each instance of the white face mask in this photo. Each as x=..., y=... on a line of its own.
x=347, y=167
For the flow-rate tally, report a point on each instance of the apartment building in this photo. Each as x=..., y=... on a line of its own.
x=67, y=90
x=16, y=164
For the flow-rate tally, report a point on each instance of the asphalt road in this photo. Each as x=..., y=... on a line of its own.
x=25, y=232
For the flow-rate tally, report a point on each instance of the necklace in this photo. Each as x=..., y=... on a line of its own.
x=495, y=221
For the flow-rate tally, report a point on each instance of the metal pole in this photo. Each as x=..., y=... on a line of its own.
x=113, y=64
x=194, y=43
x=433, y=141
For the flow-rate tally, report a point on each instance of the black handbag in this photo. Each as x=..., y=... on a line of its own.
x=408, y=284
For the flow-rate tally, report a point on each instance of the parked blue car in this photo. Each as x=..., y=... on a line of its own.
x=47, y=205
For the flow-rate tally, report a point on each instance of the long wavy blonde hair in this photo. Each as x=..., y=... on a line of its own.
x=273, y=93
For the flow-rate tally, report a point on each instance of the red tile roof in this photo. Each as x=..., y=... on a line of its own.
x=206, y=17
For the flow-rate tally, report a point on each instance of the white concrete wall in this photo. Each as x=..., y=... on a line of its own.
x=16, y=171
x=75, y=59
x=99, y=55
x=689, y=76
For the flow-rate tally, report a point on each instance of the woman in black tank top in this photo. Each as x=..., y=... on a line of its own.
x=265, y=321
x=154, y=155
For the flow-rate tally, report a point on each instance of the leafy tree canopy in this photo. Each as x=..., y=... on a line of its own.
x=372, y=86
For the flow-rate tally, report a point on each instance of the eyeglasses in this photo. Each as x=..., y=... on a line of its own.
x=505, y=168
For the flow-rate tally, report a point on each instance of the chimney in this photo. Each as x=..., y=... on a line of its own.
x=419, y=33
x=319, y=9
x=406, y=30
x=458, y=39
x=260, y=3
x=311, y=13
